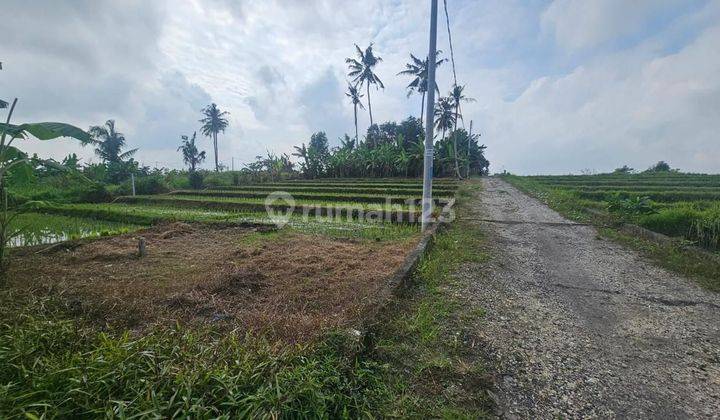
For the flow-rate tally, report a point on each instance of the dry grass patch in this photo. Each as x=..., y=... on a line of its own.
x=291, y=286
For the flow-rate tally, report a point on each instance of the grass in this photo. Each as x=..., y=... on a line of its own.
x=53, y=367
x=692, y=222
x=432, y=367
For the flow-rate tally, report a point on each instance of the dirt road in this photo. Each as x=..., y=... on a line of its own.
x=578, y=326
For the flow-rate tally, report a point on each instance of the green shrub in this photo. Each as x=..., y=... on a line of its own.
x=145, y=185
x=195, y=180
x=630, y=206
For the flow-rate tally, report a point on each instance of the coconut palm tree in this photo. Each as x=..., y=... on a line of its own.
x=191, y=156
x=457, y=97
x=444, y=115
x=361, y=70
x=213, y=123
x=109, y=143
x=354, y=94
x=418, y=70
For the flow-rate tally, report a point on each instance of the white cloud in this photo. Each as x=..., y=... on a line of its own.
x=619, y=110
x=579, y=24
x=560, y=86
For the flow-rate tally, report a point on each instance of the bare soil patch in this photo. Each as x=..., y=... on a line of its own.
x=289, y=285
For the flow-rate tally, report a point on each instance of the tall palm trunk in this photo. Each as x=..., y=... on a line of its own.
x=356, y=128
x=422, y=108
x=457, y=167
x=369, y=105
x=217, y=167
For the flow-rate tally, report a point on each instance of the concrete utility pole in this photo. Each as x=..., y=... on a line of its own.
x=467, y=174
x=427, y=201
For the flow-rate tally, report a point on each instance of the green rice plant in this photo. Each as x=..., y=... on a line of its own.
x=38, y=229
x=674, y=221
x=415, y=191
x=151, y=214
x=257, y=204
x=307, y=196
x=675, y=196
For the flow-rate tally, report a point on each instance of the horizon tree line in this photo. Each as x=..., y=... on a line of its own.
x=447, y=109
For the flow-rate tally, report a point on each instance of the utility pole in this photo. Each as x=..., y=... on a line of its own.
x=427, y=202
x=232, y=165
x=467, y=175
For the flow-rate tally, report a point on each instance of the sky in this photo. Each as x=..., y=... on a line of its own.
x=561, y=86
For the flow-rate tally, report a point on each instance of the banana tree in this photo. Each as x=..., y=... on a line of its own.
x=13, y=159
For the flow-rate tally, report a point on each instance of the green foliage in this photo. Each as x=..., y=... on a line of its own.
x=55, y=368
x=191, y=156
x=661, y=166
x=195, y=180
x=148, y=184
x=214, y=121
x=390, y=150
x=632, y=206
x=623, y=170
x=44, y=131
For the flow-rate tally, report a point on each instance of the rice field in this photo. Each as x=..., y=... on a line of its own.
x=39, y=229
x=685, y=206
x=353, y=208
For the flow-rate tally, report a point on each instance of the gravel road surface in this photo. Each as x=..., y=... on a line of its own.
x=578, y=326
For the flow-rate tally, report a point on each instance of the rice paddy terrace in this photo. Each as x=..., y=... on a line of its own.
x=685, y=206
x=348, y=207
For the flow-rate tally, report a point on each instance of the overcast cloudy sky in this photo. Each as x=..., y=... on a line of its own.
x=561, y=85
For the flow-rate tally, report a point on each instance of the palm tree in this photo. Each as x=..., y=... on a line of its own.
x=354, y=94
x=213, y=123
x=191, y=156
x=444, y=115
x=457, y=97
x=109, y=143
x=302, y=152
x=418, y=70
x=361, y=70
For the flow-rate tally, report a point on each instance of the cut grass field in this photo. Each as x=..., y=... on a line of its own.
x=226, y=321
x=690, y=215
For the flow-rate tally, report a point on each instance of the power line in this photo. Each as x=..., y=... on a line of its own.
x=452, y=54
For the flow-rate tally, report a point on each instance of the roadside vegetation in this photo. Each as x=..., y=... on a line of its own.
x=683, y=206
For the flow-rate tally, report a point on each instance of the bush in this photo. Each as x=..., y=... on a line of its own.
x=195, y=180
x=630, y=206
x=145, y=185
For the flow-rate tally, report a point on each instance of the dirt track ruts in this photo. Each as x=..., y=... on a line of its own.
x=578, y=326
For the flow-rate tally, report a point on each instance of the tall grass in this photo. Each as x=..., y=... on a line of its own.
x=54, y=368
